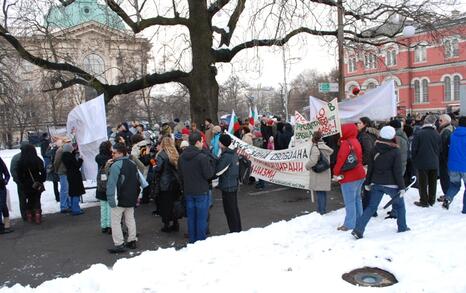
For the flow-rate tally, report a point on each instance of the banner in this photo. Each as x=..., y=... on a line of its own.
x=284, y=167
x=378, y=104
x=326, y=120
x=88, y=124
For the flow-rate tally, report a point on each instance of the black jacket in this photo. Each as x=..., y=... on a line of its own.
x=384, y=166
x=24, y=177
x=227, y=169
x=445, y=133
x=426, y=148
x=196, y=168
x=284, y=139
x=101, y=159
x=367, y=138
x=73, y=174
x=165, y=172
x=5, y=175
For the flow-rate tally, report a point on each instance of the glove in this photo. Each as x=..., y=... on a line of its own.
x=402, y=193
x=367, y=187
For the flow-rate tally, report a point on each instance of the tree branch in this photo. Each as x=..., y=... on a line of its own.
x=226, y=55
x=216, y=6
x=137, y=27
x=226, y=38
x=66, y=2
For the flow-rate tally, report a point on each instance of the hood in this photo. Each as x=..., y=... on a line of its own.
x=373, y=131
x=383, y=146
x=460, y=131
x=349, y=130
x=190, y=153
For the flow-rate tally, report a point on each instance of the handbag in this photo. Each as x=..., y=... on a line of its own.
x=322, y=164
x=351, y=161
x=36, y=185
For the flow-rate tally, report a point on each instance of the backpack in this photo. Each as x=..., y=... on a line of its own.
x=245, y=169
x=102, y=178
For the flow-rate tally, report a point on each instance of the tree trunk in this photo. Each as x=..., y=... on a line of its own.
x=203, y=86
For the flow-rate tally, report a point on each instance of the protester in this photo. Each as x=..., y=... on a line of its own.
x=123, y=133
x=103, y=160
x=31, y=173
x=445, y=131
x=215, y=142
x=60, y=169
x=140, y=154
x=74, y=176
x=319, y=182
x=196, y=169
x=122, y=197
x=425, y=153
x=14, y=174
x=457, y=164
x=246, y=135
x=209, y=131
x=5, y=226
x=402, y=142
x=384, y=176
x=350, y=173
x=44, y=145
x=165, y=168
x=49, y=168
x=227, y=169
x=284, y=136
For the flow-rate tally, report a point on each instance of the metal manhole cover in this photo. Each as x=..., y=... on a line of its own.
x=370, y=277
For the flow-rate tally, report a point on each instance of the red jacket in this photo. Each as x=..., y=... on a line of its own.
x=349, y=136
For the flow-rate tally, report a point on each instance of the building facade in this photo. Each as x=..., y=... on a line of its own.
x=428, y=68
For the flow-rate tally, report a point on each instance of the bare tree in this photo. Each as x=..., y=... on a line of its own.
x=233, y=96
x=249, y=24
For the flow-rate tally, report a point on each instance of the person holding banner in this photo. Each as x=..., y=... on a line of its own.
x=319, y=181
x=349, y=171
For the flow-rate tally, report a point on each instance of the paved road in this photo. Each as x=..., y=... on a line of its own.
x=64, y=245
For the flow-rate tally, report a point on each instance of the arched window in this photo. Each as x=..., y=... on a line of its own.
x=94, y=64
x=425, y=90
x=352, y=64
x=417, y=91
x=456, y=87
x=371, y=85
x=447, y=88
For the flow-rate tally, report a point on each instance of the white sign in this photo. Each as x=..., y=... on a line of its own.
x=284, y=167
x=88, y=124
x=327, y=87
x=378, y=104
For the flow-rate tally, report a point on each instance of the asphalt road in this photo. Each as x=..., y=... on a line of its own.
x=64, y=245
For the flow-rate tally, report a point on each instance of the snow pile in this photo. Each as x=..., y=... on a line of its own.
x=302, y=255
x=49, y=205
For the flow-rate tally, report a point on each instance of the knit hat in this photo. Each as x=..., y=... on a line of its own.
x=387, y=132
x=225, y=140
x=395, y=124
x=178, y=135
x=184, y=144
x=68, y=148
x=185, y=131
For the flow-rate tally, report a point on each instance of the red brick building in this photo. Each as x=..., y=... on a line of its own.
x=428, y=68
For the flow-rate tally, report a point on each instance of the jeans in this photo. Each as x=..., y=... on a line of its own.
x=377, y=193
x=321, y=202
x=197, y=207
x=75, y=209
x=353, y=205
x=455, y=185
x=65, y=202
x=105, y=214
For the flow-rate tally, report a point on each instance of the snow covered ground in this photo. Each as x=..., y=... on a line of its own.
x=306, y=254
x=49, y=205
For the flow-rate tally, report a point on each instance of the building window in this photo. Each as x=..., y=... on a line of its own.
x=447, y=88
x=456, y=87
x=371, y=85
x=94, y=64
x=391, y=57
x=352, y=64
x=451, y=48
x=425, y=91
x=370, y=61
x=420, y=53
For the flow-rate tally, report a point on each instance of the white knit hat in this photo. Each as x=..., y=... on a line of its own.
x=387, y=132
x=184, y=144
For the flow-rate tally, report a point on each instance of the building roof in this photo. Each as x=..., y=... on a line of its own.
x=82, y=11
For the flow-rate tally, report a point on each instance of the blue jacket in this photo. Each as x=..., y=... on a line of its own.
x=215, y=145
x=457, y=153
x=227, y=169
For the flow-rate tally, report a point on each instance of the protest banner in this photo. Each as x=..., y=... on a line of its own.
x=284, y=167
x=88, y=124
x=378, y=104
x=326, y=120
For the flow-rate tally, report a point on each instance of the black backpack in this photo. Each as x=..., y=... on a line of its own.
x=245, y=169
x=102, y=178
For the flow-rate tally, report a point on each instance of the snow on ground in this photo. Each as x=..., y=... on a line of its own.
x=304, y=254
x=49, y=205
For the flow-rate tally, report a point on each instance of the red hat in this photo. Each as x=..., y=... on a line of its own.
x=356, y=90
x=185, y=131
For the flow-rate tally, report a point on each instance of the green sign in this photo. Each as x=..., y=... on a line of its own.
x=327, y=87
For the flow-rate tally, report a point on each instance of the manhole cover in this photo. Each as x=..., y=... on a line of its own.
x=370, y=277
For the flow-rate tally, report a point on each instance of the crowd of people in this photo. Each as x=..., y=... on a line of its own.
x=174, y=166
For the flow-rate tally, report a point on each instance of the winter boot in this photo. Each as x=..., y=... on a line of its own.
x=29, y=216
x=131, y=245
x=38, y=216
x=446, y=203
x=117, y=249
x=7, y=223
